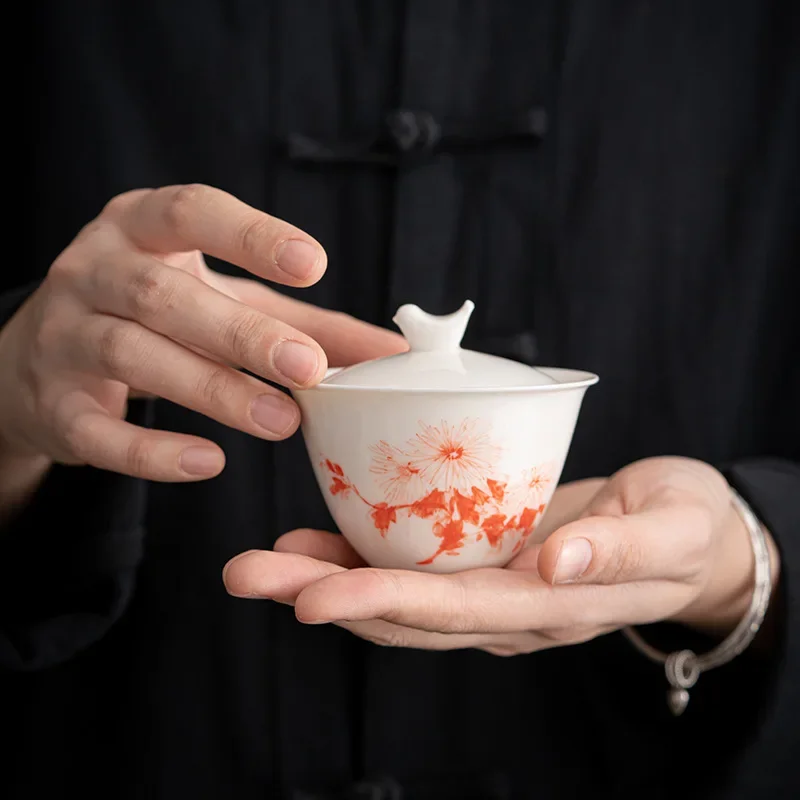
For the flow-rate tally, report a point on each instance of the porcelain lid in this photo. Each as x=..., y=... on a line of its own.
x=435, y=359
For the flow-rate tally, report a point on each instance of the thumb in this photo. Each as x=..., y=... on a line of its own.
x=650, y=545
x=345, y=339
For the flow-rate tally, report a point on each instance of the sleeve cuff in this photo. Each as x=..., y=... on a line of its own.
x=772, y=488
x=68, y=562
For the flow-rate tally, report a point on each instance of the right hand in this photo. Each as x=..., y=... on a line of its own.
x=130, y=306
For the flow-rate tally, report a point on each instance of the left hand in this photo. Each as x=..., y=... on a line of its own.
x=659, y=540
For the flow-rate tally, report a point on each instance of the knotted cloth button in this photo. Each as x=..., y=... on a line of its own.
x=413, y=131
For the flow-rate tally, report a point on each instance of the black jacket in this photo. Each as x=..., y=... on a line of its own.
x=615, y=184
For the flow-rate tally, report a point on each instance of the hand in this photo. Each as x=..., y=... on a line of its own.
x=660, y=540
x=130, y=306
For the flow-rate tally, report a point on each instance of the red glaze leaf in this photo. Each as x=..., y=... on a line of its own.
x=334, y=468
x=494, y=527
x=339, y=486
x=527, y=519
x=478, y=496
x=452, y=535
x=497, y=489
x=466, y=508
x=429, y=505
x=384, y=515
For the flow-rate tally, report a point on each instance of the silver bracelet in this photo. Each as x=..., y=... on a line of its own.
x=683, y=667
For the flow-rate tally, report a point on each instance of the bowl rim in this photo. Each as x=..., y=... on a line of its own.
x=566, y=380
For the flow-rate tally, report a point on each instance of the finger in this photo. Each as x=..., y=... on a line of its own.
x=261, y=574
x=197, y=217
x=478, y=601
x=491, y=601
x=488, y=601
x=129, y=353
x=321, y=545
x=345, y=339
x=90, y=436
x=176, y=304
x=665, y=543
x=388, y=634
x=258, y=574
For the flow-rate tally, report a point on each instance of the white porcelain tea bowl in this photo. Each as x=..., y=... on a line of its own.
x=440, y=459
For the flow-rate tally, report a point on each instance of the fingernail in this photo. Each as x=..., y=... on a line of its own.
x=297, y=258
x=298, y=362
x=573, y=560
x=234, y=559
x=274, y=413
x=201, y=461
x=312, y=620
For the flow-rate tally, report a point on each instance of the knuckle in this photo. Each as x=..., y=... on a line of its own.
x=151, y=291
x=241, y=335
x=181, y=207
x=114, y=206
x=73, y=435
x=627, y=561
x=99, y=226
x=116, y=347
x=67, y=266
x=388, y=637
x=49, y=336
x=139, y=456
x=216, y=388
x=254, y=234
x=121, y=202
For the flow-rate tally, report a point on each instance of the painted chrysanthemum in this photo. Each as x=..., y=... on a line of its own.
x=453, y=456
x=398, y=475
x=532, y=489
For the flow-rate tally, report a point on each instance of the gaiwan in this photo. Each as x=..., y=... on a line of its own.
x=440, y=459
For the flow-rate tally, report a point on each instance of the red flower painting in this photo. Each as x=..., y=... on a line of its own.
x=453, y=456
x=447, y=474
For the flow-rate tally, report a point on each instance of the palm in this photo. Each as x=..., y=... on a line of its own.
x=662, y=545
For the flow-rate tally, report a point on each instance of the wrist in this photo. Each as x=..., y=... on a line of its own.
x=728, y=593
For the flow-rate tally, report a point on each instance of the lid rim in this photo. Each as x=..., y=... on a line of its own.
x=583, y=379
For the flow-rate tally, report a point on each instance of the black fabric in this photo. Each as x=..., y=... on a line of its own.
x=772, y=488
x=648, y=231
